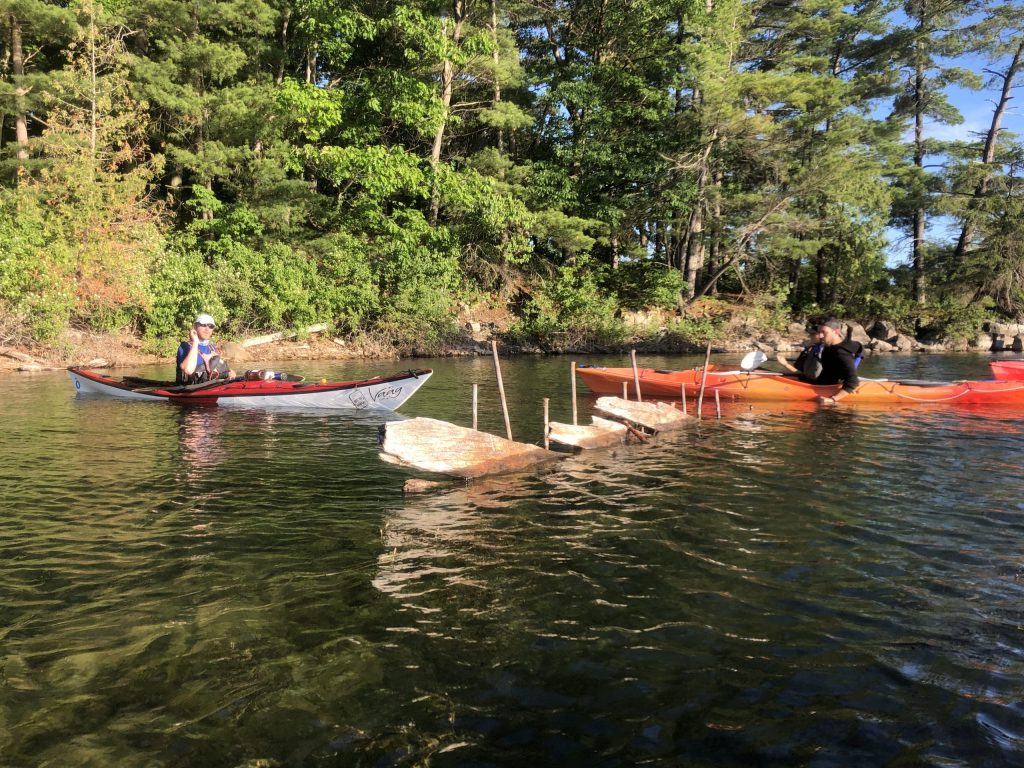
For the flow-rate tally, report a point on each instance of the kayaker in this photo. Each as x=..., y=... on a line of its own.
x=808, y=363
x=198, y=358
x=834, y=363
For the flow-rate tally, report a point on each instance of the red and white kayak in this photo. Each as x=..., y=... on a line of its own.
x=382, y=392
x=768, y=386
x=1008, y=370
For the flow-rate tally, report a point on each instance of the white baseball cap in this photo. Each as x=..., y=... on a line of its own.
x=204, y=319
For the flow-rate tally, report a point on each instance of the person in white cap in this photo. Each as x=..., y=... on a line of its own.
x=198, y=358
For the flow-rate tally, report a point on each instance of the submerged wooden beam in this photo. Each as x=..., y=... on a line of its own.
x=601, y=434
x=448, y=449
x=659, y=417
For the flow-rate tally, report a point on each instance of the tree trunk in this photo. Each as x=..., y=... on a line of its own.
x=310, y=65
x=695, y=226
x=989, y=154
x=18, y=71
x=447, y=81
x=715, y=229
x=497, y=62
x=286, y=18
x=93, y=96
x=919, y=211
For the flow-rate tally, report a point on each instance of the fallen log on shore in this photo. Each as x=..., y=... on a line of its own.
x=437, y=446
x=257, y=340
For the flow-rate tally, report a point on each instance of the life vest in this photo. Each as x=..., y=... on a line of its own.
x=209, y=364
x=811, y=367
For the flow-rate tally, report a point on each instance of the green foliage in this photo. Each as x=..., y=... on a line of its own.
x=572, y=309
x=954, y=319
x=416, y=270
x=697, y=331
x=343, y=289
x=643, y=284
x=283, y=163
x=182, y=286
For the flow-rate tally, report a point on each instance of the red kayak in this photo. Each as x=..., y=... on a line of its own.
x=769, y=386
x=1008, y=370
x=384, y=392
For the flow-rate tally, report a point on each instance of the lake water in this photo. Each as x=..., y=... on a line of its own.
x=785, y=586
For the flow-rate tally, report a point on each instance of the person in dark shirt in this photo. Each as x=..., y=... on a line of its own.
x=831, y=358
x=839, y=360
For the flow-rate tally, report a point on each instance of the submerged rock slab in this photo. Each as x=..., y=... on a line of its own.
x=603, y=433
x=659, y=417
x=437, y=446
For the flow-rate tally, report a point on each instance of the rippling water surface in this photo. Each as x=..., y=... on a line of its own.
x=783, y=586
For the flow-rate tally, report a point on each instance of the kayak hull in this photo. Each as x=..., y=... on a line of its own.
x=1007, y=370
x=773, y=387
x=384, y=393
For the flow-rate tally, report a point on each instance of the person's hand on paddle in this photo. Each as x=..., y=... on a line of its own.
x=781, y=360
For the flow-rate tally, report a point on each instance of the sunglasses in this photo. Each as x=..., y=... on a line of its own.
x=204, y=325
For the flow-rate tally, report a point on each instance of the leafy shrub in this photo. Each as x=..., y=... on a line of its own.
x=642, y=284
x=343, y=289
x=181, y=287
x=572, y=310
x=416, y=269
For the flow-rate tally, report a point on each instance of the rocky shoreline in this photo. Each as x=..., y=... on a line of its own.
x=118, y=351
x=882, y=337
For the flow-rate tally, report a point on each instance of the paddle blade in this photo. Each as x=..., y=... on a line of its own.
x=753, y=360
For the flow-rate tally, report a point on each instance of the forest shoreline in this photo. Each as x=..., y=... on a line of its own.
x=124, y=350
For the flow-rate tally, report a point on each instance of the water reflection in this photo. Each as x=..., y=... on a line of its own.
x=200, y=438
x=784, y=586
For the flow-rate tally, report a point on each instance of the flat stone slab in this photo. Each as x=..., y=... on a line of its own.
x=659, y=417
x=603, y=433
x=447, y=449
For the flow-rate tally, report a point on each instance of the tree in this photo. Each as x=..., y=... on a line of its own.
x=31, y=32
x=1000, y=35
x=931, y=38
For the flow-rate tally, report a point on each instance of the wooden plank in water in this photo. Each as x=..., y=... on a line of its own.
x=448, y=449
x=659, y=417
x=601, y=434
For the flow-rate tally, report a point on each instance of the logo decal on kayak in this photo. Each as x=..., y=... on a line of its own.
x=391, y=393
x=358, y=399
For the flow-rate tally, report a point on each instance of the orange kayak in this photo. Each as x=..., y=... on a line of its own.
x=1008, y=370
x=769, y=386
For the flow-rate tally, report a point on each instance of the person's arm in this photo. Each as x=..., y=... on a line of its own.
x=188, y=365
x=781, y=360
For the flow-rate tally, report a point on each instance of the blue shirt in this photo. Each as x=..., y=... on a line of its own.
x=206, y=350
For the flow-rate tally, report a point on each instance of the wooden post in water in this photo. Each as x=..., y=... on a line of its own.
x=574, y=422
x=547, y=421
x=501, y=389
x=476, y=390
x=682, y=395
x=636, y=375
x=718, y=405
x=703, y=382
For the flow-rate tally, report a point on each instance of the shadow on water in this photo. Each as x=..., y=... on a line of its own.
x=783, y=586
